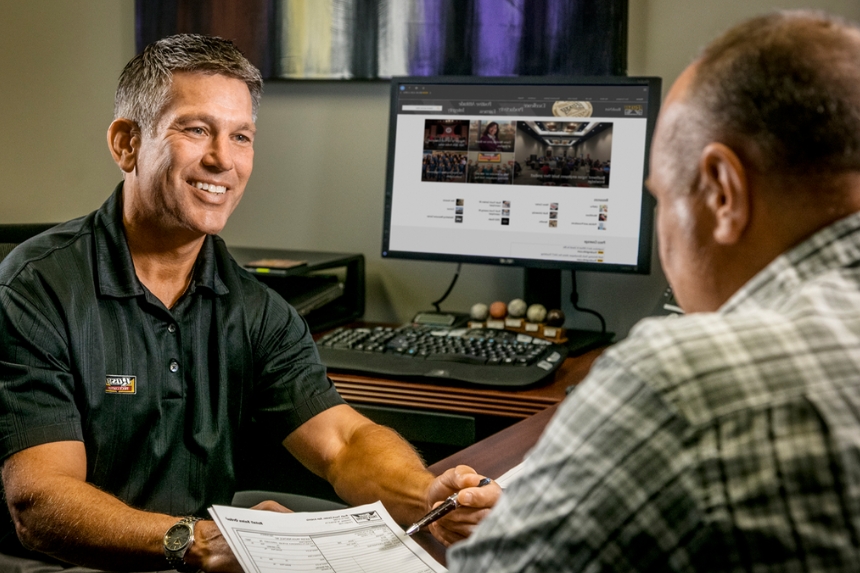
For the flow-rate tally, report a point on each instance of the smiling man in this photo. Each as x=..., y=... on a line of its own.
x=727, y=439
x=135, y=354
x=183, y=180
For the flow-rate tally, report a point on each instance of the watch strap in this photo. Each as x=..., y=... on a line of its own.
x=176, y=559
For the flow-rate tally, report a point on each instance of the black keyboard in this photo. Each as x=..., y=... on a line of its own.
x=474, y=355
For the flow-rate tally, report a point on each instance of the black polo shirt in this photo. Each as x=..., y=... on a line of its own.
x=162, y=399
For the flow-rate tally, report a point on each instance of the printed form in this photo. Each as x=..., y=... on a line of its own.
x=355, y=540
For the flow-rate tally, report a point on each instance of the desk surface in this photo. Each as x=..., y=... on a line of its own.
x=498, y=453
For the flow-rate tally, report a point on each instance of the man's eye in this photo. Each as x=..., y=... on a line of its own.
x=196, y=130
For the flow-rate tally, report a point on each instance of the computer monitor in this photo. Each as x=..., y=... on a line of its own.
x=538, y=172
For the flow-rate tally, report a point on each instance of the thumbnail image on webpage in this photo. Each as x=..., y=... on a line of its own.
x=561, y=153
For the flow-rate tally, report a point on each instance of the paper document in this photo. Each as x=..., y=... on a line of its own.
x=358, y=539
x=506, y=478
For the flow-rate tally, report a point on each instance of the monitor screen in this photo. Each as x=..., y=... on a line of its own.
x=540, y=172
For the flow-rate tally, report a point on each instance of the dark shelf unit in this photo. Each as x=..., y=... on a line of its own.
x=348, y=267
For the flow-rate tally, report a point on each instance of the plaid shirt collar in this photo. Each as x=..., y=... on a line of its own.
x=834, y=247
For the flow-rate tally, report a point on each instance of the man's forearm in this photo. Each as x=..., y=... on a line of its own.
x=56, y=512
x=380, y=465
x=366, y=462
x=77, y=523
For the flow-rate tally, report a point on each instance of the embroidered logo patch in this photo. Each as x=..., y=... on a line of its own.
x=116, y=384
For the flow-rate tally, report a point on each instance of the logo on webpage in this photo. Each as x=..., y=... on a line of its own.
x=572, y=109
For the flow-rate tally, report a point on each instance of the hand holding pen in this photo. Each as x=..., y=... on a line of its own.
x=441, y=510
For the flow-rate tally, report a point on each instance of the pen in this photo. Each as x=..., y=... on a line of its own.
x=444, y=508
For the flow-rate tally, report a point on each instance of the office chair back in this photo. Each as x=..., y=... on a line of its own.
x=13, y=234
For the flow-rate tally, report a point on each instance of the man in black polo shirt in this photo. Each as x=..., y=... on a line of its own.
x=134, y=353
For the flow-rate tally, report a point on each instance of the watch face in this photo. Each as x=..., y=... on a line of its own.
x=177, y=537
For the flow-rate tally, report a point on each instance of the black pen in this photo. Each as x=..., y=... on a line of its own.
x=444, y=508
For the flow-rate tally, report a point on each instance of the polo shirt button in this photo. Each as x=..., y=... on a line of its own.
x=171, y=328
x=174, y=366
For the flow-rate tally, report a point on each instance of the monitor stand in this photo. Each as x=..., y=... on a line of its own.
x=543, y=286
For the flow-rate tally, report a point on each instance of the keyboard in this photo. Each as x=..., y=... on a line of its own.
x=481, y=356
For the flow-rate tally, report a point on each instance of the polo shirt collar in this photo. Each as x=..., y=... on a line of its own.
x=114, y=266
x=206, y=269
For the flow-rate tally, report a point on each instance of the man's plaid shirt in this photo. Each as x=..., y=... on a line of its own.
x=725, y=441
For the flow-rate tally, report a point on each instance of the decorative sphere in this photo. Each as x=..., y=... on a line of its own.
x=479, y=311
x=498, y=309
x=555, y=317
x=536, y=313
x=517, y=308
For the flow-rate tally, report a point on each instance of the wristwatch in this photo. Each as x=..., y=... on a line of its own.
x=177, y=540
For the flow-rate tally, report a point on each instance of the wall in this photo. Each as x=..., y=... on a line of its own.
x=59, y=62
x=320, y=153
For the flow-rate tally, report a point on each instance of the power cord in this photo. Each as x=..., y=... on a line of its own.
x=450, y=288
x=574, y=300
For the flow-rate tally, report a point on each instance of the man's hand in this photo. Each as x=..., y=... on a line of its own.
x=210, y=551
x=475, y=503
x=270, y=505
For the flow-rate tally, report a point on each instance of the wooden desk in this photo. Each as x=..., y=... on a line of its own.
x=424, y=408
x=441, y=418
x=503, y=450
x=493, y=455
x=511, y=404
x=490, y=457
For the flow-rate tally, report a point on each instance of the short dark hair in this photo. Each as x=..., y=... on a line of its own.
x=144, y=84
x=789, y=83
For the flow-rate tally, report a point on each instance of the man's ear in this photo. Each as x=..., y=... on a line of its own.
x=723, y=180
x=123, y=138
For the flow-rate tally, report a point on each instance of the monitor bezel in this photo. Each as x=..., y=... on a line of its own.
x=647, y=211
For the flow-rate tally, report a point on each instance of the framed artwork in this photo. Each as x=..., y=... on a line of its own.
x=378, y=39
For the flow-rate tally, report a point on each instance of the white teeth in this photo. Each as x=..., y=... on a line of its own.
x=219, y=189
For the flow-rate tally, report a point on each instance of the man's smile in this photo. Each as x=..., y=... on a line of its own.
x=210, y=187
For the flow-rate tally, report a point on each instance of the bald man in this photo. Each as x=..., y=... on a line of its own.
x=727, y=439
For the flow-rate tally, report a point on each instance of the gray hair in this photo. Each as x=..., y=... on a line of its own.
x=144, y=84
x=787, y=82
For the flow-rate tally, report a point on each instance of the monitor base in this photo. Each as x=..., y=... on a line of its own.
x=581, y=341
